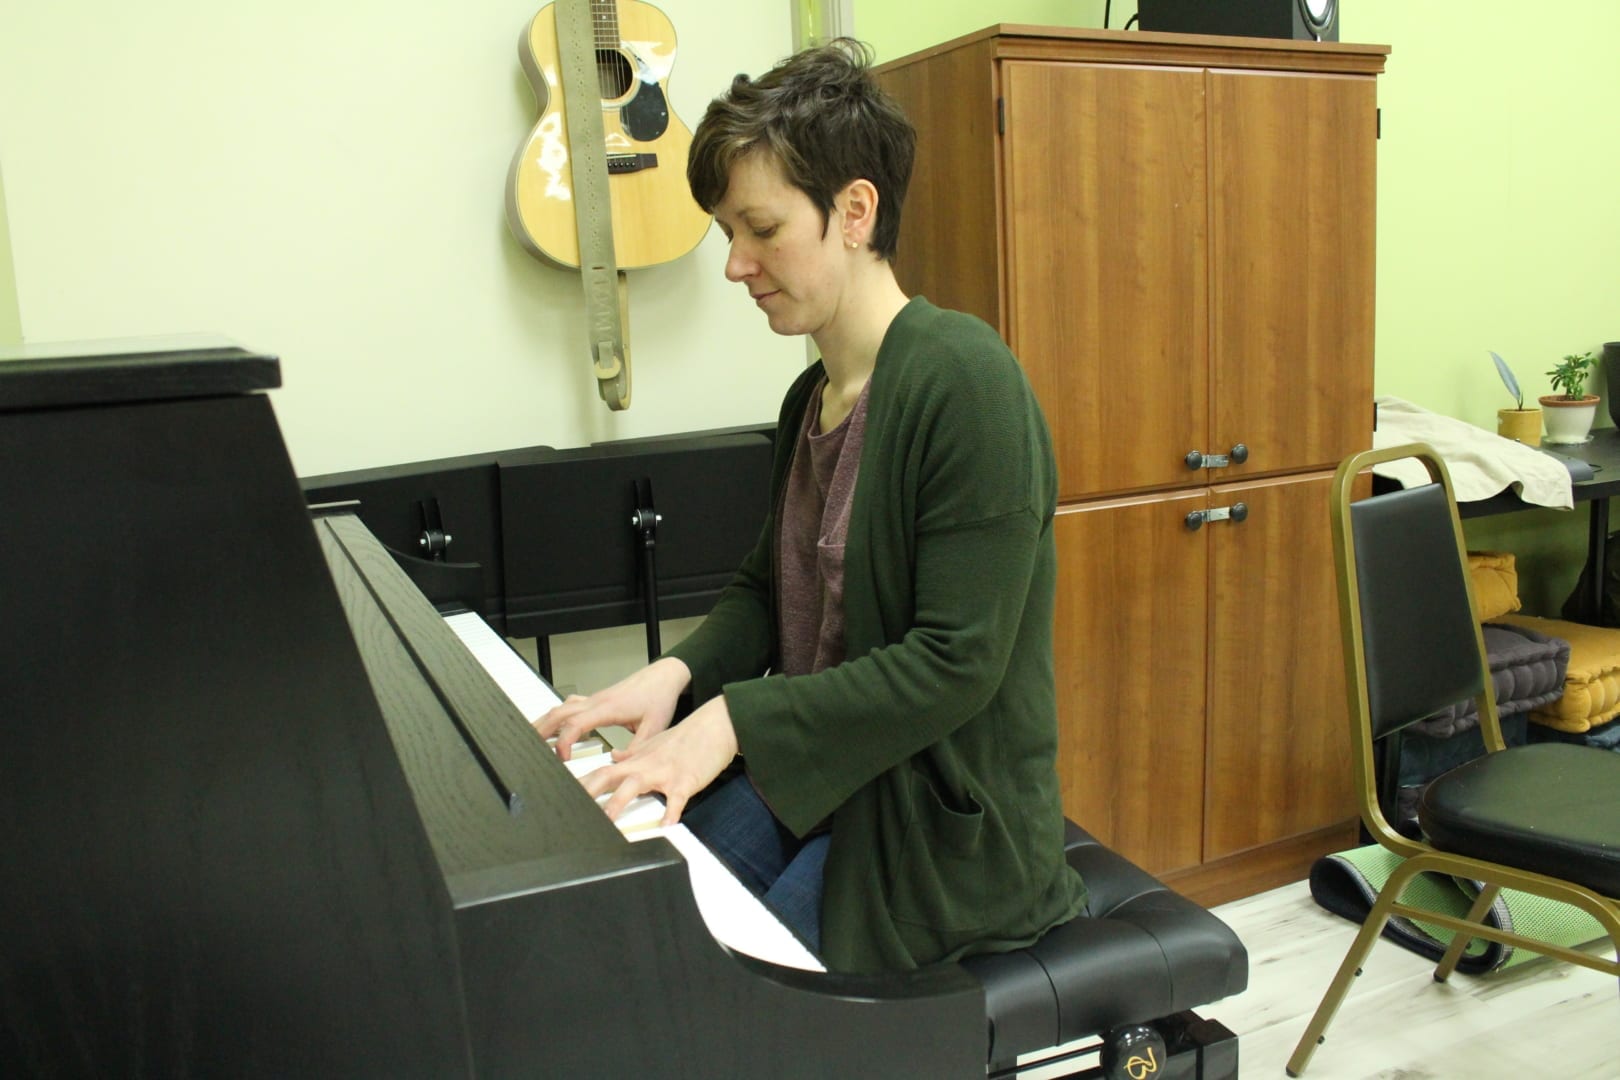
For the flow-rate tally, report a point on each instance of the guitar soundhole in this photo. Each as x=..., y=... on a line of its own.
x=612, y=73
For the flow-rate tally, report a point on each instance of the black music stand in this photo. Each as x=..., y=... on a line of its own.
x=542, y=541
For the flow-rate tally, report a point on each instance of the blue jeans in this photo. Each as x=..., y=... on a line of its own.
x=776, y=866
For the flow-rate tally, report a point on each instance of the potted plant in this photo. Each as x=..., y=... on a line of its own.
x=1518, y=423
x=1570, y=413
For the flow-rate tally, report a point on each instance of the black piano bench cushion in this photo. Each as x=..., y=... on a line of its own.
x=1551, y=808
x=1141, y=952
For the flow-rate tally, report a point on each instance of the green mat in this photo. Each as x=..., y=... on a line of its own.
x=1347, y=884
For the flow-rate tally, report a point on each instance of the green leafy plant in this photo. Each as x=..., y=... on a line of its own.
x=1570, y=375
x=1509, y=381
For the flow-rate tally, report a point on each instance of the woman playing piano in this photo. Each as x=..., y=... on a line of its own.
x=882, y=661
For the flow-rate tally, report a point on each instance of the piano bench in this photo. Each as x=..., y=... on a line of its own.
x=1129, y=971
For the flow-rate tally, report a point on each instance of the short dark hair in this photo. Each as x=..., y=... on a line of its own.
x=824, y=118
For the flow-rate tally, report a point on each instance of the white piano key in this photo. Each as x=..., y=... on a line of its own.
x=512, y=674
x=582, y=749
x=644, y=812
x=582, y=765
x=527, y=690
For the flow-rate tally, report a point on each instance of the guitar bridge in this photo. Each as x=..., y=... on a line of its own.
x=629, y=163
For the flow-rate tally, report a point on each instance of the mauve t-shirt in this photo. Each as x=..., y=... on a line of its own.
x=815, y=523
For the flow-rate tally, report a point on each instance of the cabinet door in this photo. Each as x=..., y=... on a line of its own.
x=1106, y=256
x=1291, y=262
x=1129, y=640
x=1279, y=744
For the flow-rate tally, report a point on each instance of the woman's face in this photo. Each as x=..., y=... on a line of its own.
x=793, y=263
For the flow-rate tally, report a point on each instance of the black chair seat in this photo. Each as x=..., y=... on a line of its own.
x=1551, y=808
x=1141, y=952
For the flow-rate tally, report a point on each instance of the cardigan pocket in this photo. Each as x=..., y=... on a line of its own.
x=940, y=880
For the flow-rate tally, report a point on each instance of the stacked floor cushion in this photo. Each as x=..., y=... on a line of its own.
x=1529, y=670
x=1591, y=697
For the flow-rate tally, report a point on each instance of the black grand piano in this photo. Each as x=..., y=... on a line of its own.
x=264, y=814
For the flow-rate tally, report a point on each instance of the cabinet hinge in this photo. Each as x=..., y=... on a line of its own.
x=1001, y=116
x=1378, y=123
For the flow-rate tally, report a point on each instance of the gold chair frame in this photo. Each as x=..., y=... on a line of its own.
x=1419, y=857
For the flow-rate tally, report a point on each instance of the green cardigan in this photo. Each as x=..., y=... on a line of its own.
x=931, y=749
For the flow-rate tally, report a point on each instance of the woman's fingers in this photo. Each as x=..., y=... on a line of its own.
x=548, y=723
x=624, y=793
x=678, y=763
x=625, y=787
x=650, y=725
x=643, y=702
x=674, y=806
x=572, y=721
x=567, y=736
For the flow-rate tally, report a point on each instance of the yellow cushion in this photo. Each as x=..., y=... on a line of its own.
x=1592, y=685
x=1496, y=584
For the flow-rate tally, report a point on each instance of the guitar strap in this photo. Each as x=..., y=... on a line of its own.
x=606, y=306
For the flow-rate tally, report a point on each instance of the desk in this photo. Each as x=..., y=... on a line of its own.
x=1602, y=452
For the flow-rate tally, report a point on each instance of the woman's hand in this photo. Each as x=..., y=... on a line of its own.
x=643, y=702
x=679, y=762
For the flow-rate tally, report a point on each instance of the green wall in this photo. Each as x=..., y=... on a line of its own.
x=10, y=317
x=897, y=28
x=1498, y=222
x=1496, y=217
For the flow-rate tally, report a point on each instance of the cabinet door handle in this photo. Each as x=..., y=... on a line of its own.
x=1235, y=513
x=1197, y=459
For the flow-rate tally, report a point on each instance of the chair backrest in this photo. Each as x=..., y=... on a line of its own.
x=1411, y=644
x=1419, y=639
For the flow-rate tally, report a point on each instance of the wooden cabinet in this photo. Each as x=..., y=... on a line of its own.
x=1175, y=235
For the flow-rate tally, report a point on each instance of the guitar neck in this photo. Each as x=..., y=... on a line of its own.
x=605, y=20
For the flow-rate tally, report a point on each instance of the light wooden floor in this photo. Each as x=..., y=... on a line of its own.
x=1541, y=1019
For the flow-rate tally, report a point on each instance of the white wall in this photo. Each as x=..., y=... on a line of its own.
x=325, y=182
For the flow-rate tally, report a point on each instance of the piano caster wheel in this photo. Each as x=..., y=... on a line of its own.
x=1132, y=1053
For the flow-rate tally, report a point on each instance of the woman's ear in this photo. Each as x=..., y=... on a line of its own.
x=858, y=203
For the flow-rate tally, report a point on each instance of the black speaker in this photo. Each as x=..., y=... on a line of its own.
x=1302, y=20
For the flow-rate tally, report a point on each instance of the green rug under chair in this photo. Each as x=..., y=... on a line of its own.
x=1347, y=884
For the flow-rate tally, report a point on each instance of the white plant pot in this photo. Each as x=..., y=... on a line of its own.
x=1568, y=421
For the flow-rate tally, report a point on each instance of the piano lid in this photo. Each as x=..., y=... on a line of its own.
x=80, y=373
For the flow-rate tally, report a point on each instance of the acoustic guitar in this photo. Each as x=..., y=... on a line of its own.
x=654, y=217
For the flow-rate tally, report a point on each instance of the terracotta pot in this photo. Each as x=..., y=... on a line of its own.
x=1569, y=420
x=1520, y=425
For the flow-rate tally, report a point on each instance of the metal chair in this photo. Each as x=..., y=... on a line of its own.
x=1542, y=819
